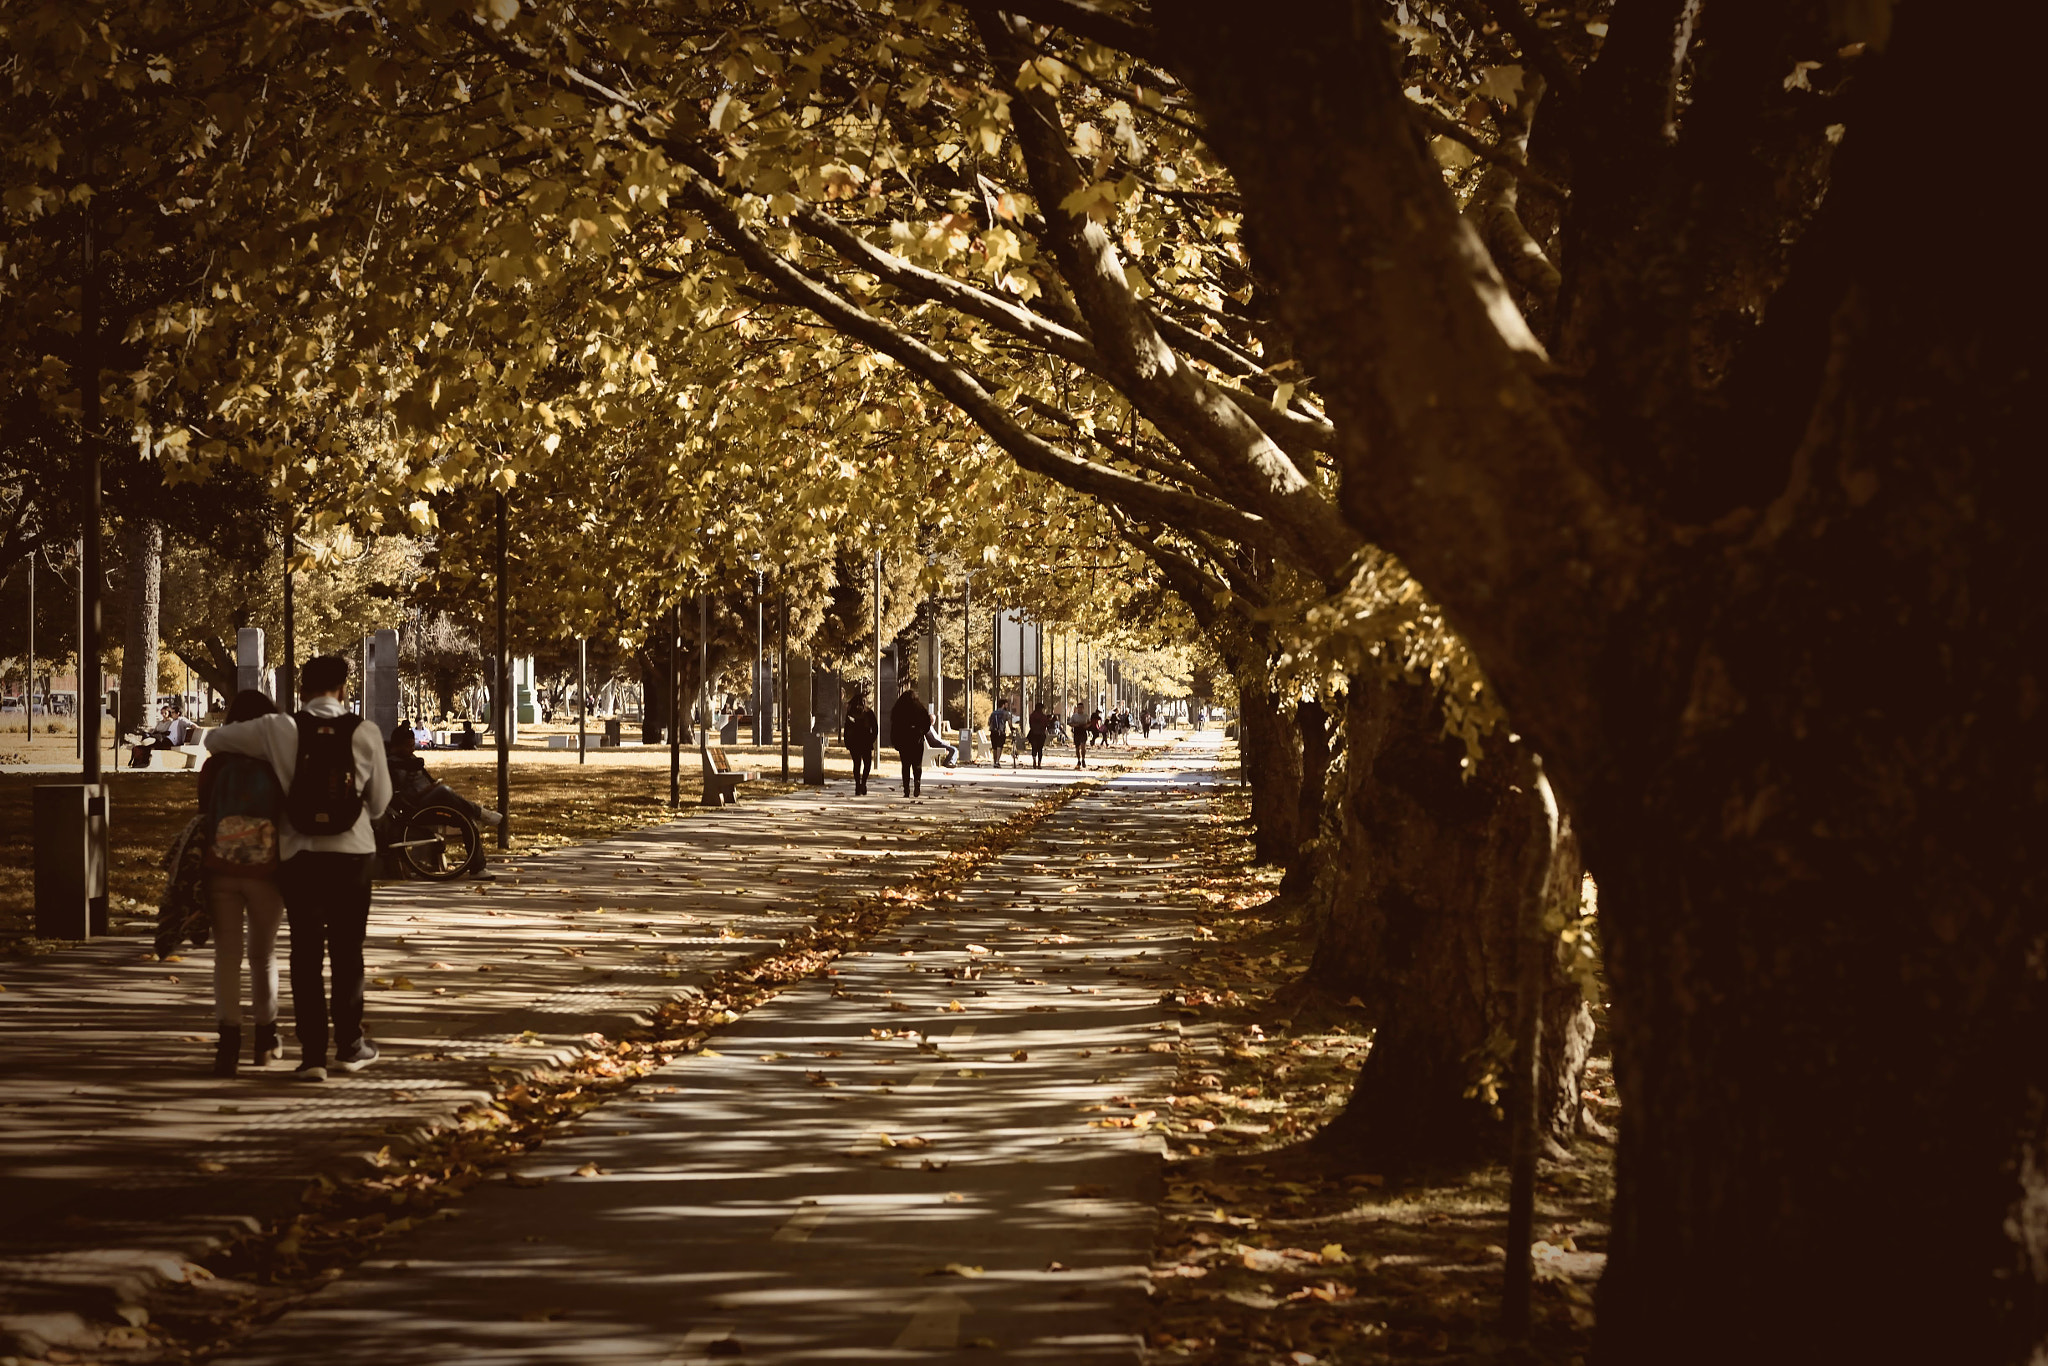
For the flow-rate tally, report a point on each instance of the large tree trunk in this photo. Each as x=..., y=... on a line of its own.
x=1270, y=745
x=1312, y=731
x=652, y=662
x=142, y=572
x=215, y=666
x=1420, y=909
x=1785, y=651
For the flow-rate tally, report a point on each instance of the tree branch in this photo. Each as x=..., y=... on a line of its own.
x=1082, y=18
x=963, y=388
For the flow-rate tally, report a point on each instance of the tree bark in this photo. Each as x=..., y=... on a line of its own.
x=1802, y=730
x=1420, y=910
x=652, y=663
x=1272, y=769
x=142, y=568
x=1312, y=731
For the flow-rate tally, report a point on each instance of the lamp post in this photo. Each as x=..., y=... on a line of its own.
x=876, y=695
x=782, y=676
x=704, y=678
x=504, y=698
x=675, y=704
x=582, y=697
x=761, y=702
x=967, y=669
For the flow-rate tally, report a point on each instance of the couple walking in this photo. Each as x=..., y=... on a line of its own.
x=290, y=801
x=913, y=729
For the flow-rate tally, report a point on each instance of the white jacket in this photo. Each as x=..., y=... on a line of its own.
x=275, y=740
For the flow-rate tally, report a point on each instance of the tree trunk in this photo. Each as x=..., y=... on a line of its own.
x=652, y=662
x=1268, y=741
x=1312, y=729
x=214, y=666
x=1796, y=707
x=1420, y=910
x=142, y=569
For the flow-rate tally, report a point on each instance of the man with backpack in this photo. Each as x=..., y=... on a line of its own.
x=332, y=767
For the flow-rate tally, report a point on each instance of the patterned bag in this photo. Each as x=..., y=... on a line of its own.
x=185, y=913
x=243, y=799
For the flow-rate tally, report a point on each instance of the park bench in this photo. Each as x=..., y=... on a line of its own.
x=721, y=779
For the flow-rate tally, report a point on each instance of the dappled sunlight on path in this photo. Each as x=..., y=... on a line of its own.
x=945, y=1145
x=122, y=1160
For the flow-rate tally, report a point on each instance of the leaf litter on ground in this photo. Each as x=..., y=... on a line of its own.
x=1271, y=1252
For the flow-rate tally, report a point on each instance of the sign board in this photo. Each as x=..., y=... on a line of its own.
x=1017, y=642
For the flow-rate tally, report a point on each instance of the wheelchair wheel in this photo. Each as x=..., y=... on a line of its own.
x=438, y=843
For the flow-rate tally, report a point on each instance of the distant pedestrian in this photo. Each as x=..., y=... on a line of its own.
x=909, y=720
x=335, y=783
x=1035, y=733
x=862, y=733
x=999, y=729
x=243, y=802
x=1078, y=724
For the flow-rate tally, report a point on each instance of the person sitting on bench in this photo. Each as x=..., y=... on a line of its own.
x=411, y=783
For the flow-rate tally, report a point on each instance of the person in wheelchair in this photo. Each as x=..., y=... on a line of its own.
x=413, y=787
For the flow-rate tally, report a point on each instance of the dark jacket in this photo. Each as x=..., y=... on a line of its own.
x=861, y=732
x=908, y=721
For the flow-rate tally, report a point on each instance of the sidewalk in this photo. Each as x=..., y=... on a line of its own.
x=122, y=1160
x=947, y=1148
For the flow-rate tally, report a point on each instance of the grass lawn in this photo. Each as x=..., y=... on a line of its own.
x=552, y=804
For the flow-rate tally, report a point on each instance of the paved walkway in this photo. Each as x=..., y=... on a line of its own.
x=122, y=1160
x=947, y=1147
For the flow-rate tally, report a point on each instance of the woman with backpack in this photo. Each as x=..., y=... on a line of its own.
x=241, y=798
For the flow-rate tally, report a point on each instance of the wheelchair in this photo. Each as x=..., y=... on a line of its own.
x=427, y=838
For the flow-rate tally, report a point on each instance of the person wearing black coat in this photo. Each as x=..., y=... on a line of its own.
x=861, y=735
x=908, y=722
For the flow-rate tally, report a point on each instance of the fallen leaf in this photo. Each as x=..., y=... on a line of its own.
x=952, y=1007
x=1020, y=1056
x=590, y=1169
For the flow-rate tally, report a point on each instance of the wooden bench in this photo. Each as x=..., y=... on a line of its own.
x=721, y=779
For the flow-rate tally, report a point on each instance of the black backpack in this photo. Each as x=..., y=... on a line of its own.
x=324, y=798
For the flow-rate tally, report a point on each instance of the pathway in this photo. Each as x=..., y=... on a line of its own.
x=945, y=1147
x=122, y=1160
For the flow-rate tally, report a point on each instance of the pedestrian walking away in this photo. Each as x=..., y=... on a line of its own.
x=336, y=782
x=909, y=721
x=863, y=731
x=244, y=803
x=1078, y=724
x=1040, y=723
x=999, y=729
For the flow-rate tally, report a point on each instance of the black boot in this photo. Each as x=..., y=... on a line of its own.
x=268, y=1045
x=227, y=1051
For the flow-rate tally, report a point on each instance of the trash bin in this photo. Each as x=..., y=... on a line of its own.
x=611, y=731
x=71, y=860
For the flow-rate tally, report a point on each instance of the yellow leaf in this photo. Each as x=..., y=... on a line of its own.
x=954, y=1007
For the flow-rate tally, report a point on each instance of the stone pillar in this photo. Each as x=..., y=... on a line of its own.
x=249, y=671
x=930, y=673
x=380, y=681
x=887, y=698
x=523, y=713
x=803, y=719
